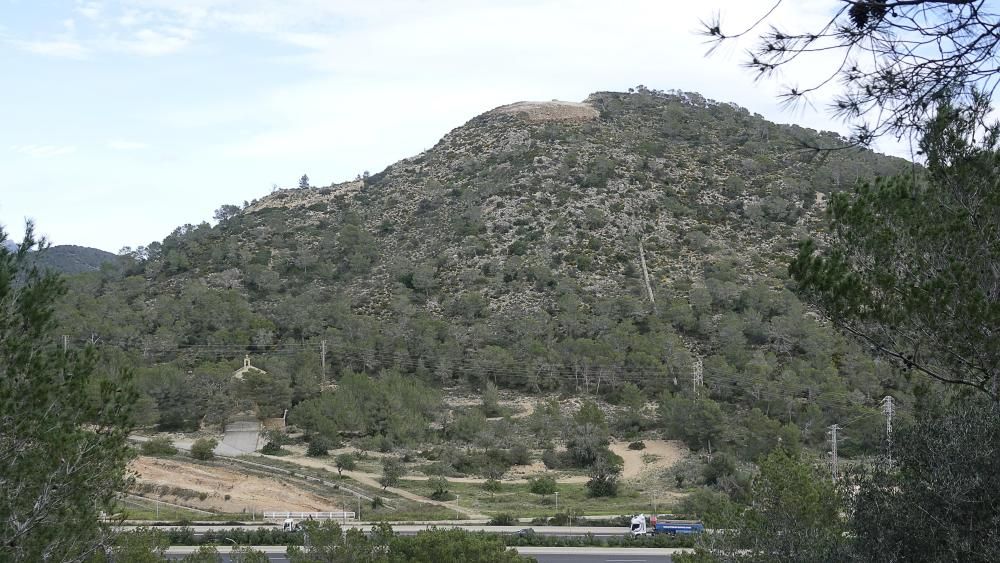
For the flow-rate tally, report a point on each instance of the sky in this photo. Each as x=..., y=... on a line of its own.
x=122, y=120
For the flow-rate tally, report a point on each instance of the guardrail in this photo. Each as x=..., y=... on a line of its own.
x=309, y=515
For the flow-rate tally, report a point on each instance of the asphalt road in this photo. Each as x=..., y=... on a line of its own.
x=410, y=529
x=240, y=438
x=276, y=554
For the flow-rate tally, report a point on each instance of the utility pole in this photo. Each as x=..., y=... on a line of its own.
x=645, y=271
x=65, y=343
x=322, y=359
x=833, y=450
x=888, y=408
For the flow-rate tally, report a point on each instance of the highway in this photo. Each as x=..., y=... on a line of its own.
x=412, y=529
x=276, y=554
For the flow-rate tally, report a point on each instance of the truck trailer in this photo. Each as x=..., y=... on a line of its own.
x=656, y=525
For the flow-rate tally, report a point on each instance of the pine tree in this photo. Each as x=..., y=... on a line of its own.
x=63, y=428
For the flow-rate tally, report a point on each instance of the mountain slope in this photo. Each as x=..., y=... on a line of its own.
x=72, y=259
x=67, y=258
x=518, y=250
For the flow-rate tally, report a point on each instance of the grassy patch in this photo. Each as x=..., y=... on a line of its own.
x=514, y=498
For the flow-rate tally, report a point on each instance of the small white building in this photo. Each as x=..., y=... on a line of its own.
x=238, y=374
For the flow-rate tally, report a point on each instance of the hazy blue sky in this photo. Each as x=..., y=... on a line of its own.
x=122, y=120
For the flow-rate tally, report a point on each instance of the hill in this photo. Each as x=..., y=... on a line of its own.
x=634, y=238
x=68, y=258
x=72, y=259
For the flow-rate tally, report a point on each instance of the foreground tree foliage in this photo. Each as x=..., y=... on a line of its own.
x=898, y=58
x=794, y=516
x=62, y=457
x=328, y=542
x=940, y=499
x=913, y=265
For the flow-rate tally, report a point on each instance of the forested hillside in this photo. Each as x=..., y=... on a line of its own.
x=72, y=259
x=638, y=237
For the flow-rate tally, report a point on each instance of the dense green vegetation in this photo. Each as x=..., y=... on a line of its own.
x=70, y=259
x=62, y=454
x=327, y=541
x=911, y=269
x=514, y=264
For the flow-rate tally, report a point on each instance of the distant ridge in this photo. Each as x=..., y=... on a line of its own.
x=72, y=259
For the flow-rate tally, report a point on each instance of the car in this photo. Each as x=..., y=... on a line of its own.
x=525, y=533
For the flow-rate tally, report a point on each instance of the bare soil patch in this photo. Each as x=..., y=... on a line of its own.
x=659, y=454
x=245, y=492
x=550, y=111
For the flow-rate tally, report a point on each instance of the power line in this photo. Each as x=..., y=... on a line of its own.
x=778, y=390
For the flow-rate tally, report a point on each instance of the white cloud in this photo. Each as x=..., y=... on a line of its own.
x=154, y=42
x=120, y=145
x=43, y=151
x=89, y=10
x=60, y=48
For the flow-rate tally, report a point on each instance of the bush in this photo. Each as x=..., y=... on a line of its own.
x=720, y=466
x=551, y=459
x=271, y=448
x=561, y=519
x=318, y=447
x=158, y=446
x=519, y=455
x=639, y=445
x=707, y=505
x=440, y=489
x=392, y=471
x=344, y=461
x=204, y=448
x=604, y=476
x=492, y=486
x=544, y=485
x=689, y=471
x=503, y=519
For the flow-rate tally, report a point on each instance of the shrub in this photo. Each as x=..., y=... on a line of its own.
x=271, y=448
x=519, y=455
x=344, y=461
x=639, y=445
x=492, y=486
x=503, y=519
x=721, y=465
x=204, y=448
x=440, y=489
x=561, y=519
x=392, y=471
x=551, y=459
x=544, y=485
x=158, y=446
x=318, y=447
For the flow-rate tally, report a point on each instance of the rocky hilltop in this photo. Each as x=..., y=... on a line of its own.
x=568, y=191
